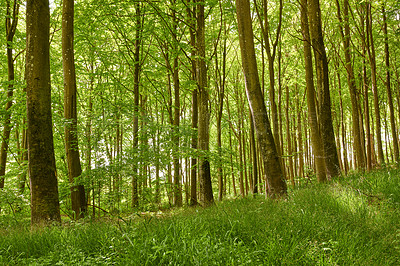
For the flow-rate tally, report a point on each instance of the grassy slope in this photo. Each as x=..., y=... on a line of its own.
x=353, y=221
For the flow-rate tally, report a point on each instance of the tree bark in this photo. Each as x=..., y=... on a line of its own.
x=42, y=168
x=177, y=109
x=254, y=155
x=271, y=55
x=136, y=80
x=191, y=11
x=206, y=194
x=372, y=60
x=274, y=175
x=316, y=141
x=11, y=27
x=360, y=162
x=78, y=198
x=288, y=139
x=389, y=89
x=364, y=39
x=322, y=72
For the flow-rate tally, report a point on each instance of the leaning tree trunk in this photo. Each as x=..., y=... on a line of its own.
x=206, y=194
x=78, y=198
x=274, y=176
x=325, y=117
x=42, y=167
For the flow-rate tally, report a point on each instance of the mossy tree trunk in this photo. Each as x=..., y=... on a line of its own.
x=42, y=168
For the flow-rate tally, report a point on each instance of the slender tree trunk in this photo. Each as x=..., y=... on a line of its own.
x=345, y=157
x=275, y=178
x=231, y=156
x=24, y=158
x=11, y=27
x=42, y=167
x=372, y=60
x=78, y=198
x=206, y=194
x=300, y=153
x=389, y=89
x=221, y=77
x=89, y=131
x=136, y=80
x=369, y=145
x=288, y=139
x=191, y=11
x=318, y=149
x=254, y=155
x=239, y=137
x=270, y=49
x=360, y=162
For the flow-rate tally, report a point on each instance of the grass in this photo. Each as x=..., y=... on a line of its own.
x=350, y=221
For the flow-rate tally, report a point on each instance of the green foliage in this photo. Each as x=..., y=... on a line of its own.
x=328, y=224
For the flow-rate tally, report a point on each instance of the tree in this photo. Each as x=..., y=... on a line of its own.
x=372, y=60
x=206, y=194
x=11, y=27
x=322, y=72
x=389, y=89
x=271, y=55
x=137, y=70
x=274, y=176
x=42, y=168
x=78, y=198
x=177, y=110
x=316, y=141
x=351, y=81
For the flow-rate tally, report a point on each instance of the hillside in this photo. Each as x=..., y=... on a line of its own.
x=350, y=221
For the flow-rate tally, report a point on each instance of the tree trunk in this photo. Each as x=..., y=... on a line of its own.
x=221, y=80
x=136, y=80
x=191, y=11
x=11, y=27
x=271, y=54
x=254, y=155
x=300, y=153
x=288, y=139
x=369, y=145
x=325, y=116
x=312, y=110
x=42, y=167
x=274, y=175
x=372, y=60
x=78, y=199
x=360, y=162
x=389, y=89
x=177, y=166
x=206, y=194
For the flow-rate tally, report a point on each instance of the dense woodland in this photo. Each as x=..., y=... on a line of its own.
x=183, y=102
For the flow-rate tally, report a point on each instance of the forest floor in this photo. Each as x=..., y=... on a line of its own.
x=354, y=220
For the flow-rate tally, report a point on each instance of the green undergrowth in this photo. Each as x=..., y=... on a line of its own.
x=353, y=220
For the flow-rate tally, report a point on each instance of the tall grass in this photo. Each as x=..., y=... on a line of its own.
x=351, y=221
